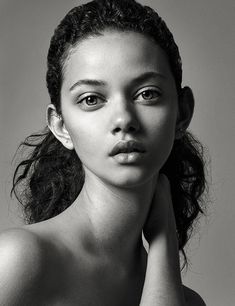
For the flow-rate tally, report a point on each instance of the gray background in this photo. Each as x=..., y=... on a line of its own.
x=204, y=31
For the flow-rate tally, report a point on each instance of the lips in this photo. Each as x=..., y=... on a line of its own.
x=127, y=147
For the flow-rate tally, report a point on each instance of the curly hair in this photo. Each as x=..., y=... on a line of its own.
x=51, y=177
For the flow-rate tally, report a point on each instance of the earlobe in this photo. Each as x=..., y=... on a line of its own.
x=56, y=125
x=185, y=113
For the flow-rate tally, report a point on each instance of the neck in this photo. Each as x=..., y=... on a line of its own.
x=114, y=217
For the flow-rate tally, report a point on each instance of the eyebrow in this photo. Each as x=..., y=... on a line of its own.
x=139, y=79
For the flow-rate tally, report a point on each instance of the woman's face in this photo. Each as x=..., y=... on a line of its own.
x=119, y=87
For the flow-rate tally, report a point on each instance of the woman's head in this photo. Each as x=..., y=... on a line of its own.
x=116, y=51
x=117, y=87
x=92, y=19
x=53, y=175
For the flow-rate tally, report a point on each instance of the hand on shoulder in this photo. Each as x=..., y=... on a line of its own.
x=21, y=266
x=192, y=297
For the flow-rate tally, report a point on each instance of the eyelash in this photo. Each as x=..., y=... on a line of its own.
x=153, y=91
x=89, y=96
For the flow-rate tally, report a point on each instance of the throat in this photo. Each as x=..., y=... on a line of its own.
x=110, y=220
x=115, y=232
x=123, y=284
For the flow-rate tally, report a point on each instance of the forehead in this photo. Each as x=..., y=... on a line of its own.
x=115, y=54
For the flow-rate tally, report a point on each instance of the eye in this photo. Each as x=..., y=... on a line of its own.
x=90, y=101
x=148, y=94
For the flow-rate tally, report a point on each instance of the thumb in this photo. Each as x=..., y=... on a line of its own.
x=159, y=212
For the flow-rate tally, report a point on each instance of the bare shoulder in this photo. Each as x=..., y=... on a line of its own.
x=21, y=266
x=20, y=248
x=192, y=297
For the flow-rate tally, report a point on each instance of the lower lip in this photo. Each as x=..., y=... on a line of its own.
x=128, y=158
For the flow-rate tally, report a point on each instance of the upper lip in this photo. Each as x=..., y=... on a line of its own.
x=127, y=147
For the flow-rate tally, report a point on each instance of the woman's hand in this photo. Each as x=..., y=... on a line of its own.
x=161, y=219
x=163, y=284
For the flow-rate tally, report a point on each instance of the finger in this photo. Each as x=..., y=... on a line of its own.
x=163, y=180
x=163, y=189
x=165, y=184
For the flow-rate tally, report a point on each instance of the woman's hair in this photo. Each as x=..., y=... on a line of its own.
x=51, y=177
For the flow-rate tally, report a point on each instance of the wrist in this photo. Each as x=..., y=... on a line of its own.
x=165, y=249
x=163, y=269
x=168, y=238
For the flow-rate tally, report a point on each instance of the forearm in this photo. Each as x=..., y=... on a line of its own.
x=163, y=285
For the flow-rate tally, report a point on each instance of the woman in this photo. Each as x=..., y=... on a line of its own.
x=115, y=160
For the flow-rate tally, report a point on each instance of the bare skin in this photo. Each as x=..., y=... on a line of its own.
x=92, y=253
x=78, y=274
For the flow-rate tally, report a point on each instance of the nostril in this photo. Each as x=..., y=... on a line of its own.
x=129, y=129
x=116, y=130
x=132, y=129
x=125, y=124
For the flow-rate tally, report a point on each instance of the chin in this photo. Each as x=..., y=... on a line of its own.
x=129, y=178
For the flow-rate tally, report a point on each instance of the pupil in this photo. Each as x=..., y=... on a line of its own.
x=147, y=94
x=91, y=100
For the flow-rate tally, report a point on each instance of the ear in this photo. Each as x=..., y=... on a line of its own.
x=185, y=112
x=56, y=125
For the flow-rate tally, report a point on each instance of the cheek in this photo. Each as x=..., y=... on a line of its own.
x=162, y=133
x=83, y=140
x=85, y=137
x=162, y=122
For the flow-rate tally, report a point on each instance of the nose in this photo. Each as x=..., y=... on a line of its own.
x=124, y=118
